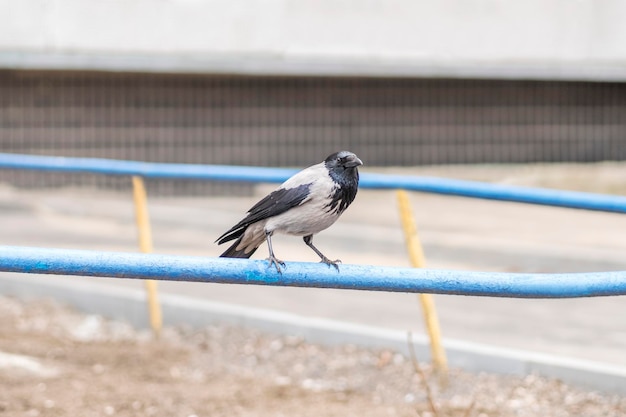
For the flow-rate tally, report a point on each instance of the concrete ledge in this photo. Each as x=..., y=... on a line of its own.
x=130, y=305
x=271, y=65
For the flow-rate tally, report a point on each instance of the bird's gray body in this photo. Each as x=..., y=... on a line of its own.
x=304, y=205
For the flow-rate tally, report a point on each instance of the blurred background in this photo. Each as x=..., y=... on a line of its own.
x=284, y=83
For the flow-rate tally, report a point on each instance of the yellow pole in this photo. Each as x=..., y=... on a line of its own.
x=145, y=246
x=416, y=255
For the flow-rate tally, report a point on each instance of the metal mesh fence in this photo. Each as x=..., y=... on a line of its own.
x=296, y=121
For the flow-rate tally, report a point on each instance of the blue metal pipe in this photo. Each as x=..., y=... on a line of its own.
x=474, y=189
x=145, y=169
x=298, y=274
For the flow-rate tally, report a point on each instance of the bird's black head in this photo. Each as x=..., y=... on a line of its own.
x=341, y=161
x=342, y=168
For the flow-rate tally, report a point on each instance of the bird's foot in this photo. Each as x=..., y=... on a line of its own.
x=331, y=263
x=276, y=262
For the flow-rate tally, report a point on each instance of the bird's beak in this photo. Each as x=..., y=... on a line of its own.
x=354, y=161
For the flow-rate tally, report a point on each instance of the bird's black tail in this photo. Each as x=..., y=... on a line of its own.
x=232, y=251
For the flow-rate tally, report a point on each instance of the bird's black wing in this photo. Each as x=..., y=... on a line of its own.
x=275, y=203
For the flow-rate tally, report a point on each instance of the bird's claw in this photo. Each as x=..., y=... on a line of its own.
x=277, y=263
x=331, y=263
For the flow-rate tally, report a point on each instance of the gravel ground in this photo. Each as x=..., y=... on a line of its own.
x=57, y=362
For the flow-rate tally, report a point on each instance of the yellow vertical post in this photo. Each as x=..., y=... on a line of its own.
x=145, y=246
x=416, y=255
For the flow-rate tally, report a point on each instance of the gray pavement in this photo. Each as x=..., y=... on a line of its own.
x=457, y=233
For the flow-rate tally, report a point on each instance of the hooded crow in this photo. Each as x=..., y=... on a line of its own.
x=305, y=204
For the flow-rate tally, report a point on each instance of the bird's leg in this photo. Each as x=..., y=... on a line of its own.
x=309, y=242
x=273, y=259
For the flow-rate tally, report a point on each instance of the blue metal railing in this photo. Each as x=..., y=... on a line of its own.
x=475, y=189
x=301, y=274
x=361, y=277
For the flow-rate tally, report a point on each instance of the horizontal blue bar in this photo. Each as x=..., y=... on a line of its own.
x=475, y=189
x=145, y=169
x=298, y=274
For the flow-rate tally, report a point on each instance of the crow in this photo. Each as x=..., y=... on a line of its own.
x=307, y=203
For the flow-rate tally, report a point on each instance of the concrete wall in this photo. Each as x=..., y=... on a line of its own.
x=584, y=39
